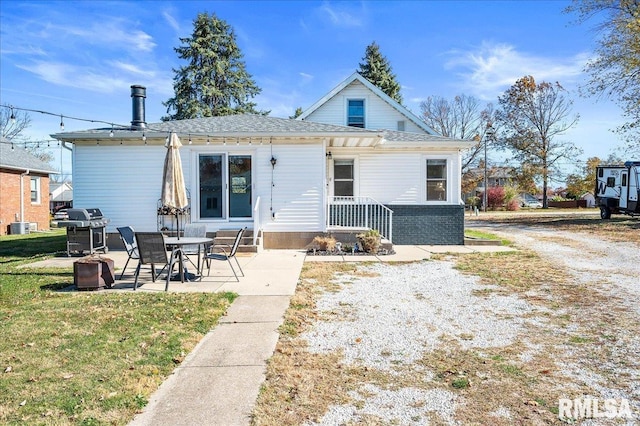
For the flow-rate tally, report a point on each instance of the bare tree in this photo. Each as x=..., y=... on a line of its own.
x=461, y=118
x=13, y=122
x=532, y=115
x=615, y=69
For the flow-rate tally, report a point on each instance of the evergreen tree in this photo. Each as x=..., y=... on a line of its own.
x=298, y=112
x=377, y=70
x=215, y=81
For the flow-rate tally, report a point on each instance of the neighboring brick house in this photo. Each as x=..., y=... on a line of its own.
x=17, y=164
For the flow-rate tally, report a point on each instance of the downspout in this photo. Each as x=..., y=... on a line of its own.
x=22, y=194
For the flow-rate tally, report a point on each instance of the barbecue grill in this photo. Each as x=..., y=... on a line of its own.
x=86, y=231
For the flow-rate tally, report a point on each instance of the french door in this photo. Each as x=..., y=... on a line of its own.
x=225, y=186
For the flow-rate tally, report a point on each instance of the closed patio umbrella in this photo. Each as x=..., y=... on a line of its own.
x=174, y=193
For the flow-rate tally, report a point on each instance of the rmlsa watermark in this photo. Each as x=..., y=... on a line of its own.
x=594, y=408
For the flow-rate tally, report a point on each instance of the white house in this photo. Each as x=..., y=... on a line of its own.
x=335, y=167
x=60, y=195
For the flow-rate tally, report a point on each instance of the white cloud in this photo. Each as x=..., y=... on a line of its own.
x=305, y=77
x=490, y=69
x=341, y=17
x=173, y=22
x=78, y=77
x=132, y=69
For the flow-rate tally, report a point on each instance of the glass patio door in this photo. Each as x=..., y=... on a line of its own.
x=240, y=186
x=212, y=190
x=225, y=186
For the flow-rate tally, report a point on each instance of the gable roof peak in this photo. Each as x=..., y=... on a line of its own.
x=356, y=76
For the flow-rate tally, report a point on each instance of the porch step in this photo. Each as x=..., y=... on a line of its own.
x=228, y=236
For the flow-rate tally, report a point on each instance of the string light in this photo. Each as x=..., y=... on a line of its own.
x=208, y=141
x=249, y=141
x=144, y=138
x=12, y=146
x=237, y=141
x=190, y=141
x=61, y=123
x=111, y=132
x=13, y=118
x=224, y=141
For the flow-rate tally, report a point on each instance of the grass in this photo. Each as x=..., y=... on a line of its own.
x=483, y=235
x=86, y=358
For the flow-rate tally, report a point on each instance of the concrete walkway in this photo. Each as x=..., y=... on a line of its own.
x=219, y=381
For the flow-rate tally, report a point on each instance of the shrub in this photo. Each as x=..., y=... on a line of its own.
x=325, y=243
x=495, y=197
x=513, y=205
x=369, y=241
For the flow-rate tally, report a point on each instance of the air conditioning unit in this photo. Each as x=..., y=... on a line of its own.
x=33, y=226
x=16, y=228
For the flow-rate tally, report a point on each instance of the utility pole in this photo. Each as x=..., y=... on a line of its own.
x=488, y=135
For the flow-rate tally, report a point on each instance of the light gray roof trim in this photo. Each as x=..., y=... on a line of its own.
x=399, y=138
x=229, y=125
x=376, y=90
x=20, y=159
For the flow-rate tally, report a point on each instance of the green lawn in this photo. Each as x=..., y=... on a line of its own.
x=86, y=357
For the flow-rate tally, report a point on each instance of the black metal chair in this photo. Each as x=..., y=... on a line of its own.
x=127, y=235
x=218, y=252
x=152, y=251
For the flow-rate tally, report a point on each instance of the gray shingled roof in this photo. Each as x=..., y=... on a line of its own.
x=20, y=159
x=397, y=136
x=232, y=124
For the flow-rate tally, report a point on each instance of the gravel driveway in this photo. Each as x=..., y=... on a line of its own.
x=395, y=320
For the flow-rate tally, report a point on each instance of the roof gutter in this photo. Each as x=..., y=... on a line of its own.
x=21, y=169
x=26, y=173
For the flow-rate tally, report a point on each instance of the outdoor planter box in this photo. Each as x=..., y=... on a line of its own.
x=93, y=273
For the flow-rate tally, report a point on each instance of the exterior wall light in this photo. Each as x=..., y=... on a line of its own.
x=273, y=161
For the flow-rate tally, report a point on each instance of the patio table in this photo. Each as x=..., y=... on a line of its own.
x=175, y=244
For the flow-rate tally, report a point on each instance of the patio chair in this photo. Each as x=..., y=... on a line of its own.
x=127, y=235
x=152, y=251
x=219, y=252
x=193, y=230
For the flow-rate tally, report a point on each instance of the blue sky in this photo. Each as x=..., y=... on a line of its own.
x=79, y=58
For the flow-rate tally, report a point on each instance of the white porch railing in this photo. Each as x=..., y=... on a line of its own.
x=257, y=223
x=359, y=213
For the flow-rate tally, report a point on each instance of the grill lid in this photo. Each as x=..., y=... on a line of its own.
x=84, y=214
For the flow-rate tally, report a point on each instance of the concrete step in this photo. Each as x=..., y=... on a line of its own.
x=228, y=236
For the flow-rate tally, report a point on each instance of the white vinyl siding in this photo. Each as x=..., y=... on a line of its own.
x=125, y=184
x=298, y=188
x=378, y=113
x=399, y=178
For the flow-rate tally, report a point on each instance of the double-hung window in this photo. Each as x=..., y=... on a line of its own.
x=343, y=178
x=436, y=180
x=355, y=113
x=35, y=190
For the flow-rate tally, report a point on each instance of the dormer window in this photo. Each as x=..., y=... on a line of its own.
x=355, y=113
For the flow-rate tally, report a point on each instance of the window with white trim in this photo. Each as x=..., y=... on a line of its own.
x=355, y=113
x=436, y=180
x=35, y=190
x=343, y=178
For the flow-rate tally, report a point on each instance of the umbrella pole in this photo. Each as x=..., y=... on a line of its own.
x=177, y=224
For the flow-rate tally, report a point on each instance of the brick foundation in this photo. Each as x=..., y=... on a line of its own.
x=432, y=225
